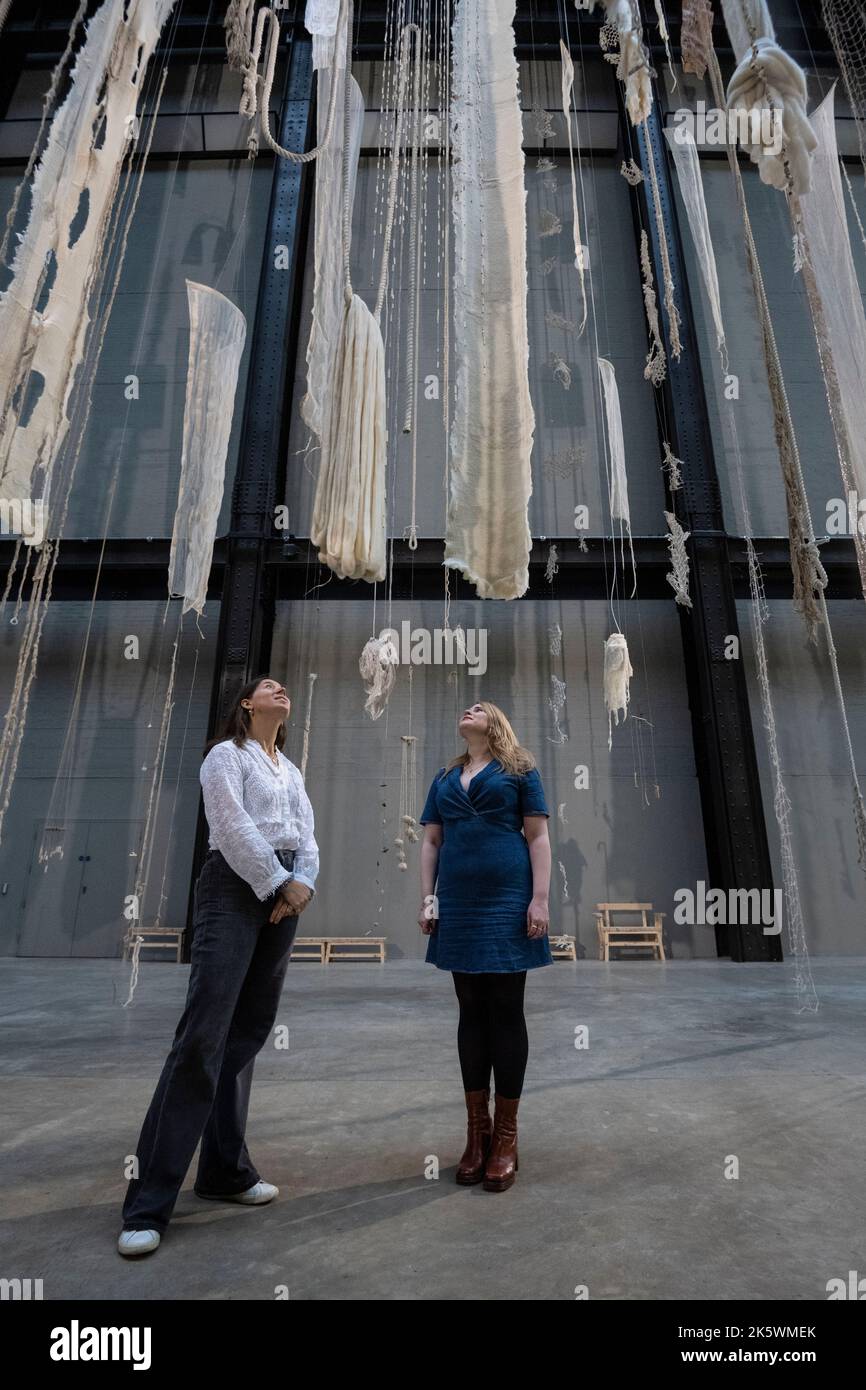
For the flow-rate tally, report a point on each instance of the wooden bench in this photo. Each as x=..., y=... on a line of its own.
x=327, y=949
x=155, y=939
x=619, y=933
x=310, y=948
x=563, y=948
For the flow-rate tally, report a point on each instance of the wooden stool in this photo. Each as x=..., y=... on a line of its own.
x=563, y=948
x=629, y=934
x=310, y=948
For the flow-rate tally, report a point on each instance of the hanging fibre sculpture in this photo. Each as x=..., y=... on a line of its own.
x=329, y=59
x=766, y=77
x=71, y=239
x=217, y=333
x=348, y=521
x=487, y=534
x=617, y=674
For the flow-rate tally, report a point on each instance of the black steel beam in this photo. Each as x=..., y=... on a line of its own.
x=138, y=569
x=195, y=31
x=247, y=595
x=738, y=851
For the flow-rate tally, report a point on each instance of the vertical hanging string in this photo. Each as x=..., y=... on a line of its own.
x=410, y=424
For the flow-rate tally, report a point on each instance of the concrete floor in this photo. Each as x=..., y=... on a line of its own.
x=622, y=1183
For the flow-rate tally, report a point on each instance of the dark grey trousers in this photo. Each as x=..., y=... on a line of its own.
x=239, y=962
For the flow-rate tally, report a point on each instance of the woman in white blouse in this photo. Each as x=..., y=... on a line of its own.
x=259, y=875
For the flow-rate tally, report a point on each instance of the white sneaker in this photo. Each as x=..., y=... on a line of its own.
x=255, y=1196
x=138, y=1242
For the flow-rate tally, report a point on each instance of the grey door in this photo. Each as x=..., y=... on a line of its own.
x=74, y=904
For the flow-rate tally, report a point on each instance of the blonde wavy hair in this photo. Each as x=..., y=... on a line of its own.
x=502, y=741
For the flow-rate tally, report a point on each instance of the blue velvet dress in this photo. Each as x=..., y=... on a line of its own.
x=484, y=883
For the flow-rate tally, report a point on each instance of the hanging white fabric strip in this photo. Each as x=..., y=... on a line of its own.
x=632, y=66
x=348, y=523
x=618, y=480
x=217, y=332
x=688, y=168
x=72, y=195
x=320, y=20
x=841, y=327
x=567, y=88
x=617, y=676
x=328, y=284
x=487, y=533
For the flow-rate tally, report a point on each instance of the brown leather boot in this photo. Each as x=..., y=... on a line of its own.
x=478, y=1134
x=502, y=1160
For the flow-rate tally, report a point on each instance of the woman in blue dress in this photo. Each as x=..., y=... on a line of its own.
x=486, y=857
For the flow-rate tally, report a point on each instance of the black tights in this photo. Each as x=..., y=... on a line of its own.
x=491, y=1034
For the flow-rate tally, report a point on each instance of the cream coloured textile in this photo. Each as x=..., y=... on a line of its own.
x=217, y=332
x=71, y=200
x=328, y=297
x=844, y=327
x=348, y=524
x=487, y=530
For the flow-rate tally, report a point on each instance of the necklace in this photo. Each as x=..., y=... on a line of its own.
x=472, y=767
x=274, y=757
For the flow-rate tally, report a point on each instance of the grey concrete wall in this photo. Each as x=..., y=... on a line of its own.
x=619, y=842
x=104, y=775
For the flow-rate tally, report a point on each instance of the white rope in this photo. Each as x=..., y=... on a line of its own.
x=243, y=49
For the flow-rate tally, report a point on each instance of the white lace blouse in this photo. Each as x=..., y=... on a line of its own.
x=254, y=808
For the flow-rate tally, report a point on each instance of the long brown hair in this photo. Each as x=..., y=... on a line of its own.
x=502, y=741
x=236, y=725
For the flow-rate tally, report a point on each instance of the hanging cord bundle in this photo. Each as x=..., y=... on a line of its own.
x=348, y=521
x=759, y=614
x=378, y=667
x=243, y=51
x=408, y=798
x=327, y=309
x=133, y=938
x=664, y=35
x=416, y=246
x=623, y=31
x=617, y=674
x=618, y=496
x=809, y=576
x=487, y=535
x=579, y=259
x=312, y=677
x=832, y=289
x=767, y=81
x=616, y=484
